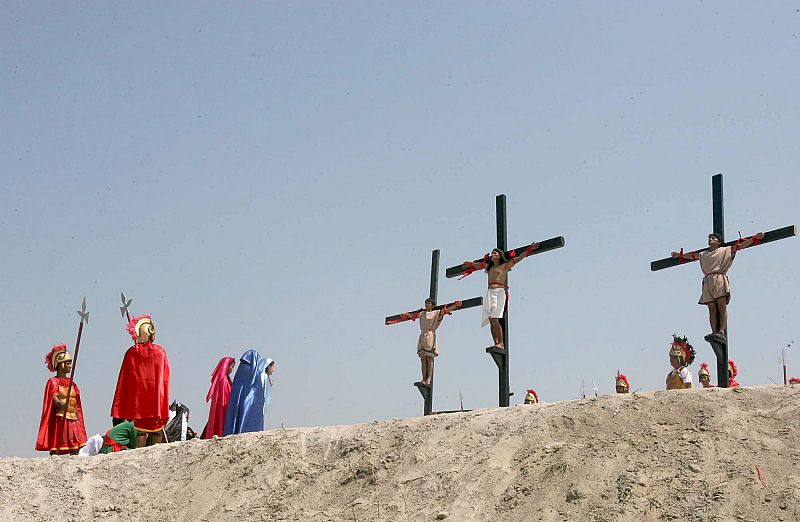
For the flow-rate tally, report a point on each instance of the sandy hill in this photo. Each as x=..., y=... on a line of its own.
x=690, y=455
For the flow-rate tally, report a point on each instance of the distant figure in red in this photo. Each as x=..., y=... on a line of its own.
x=142, y=392
x=52, y=427
x=732, y=373
x=219, y=394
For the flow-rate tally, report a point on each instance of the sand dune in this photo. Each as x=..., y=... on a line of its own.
x=684, y=455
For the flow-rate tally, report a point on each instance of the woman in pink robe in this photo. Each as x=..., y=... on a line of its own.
x=219, y=394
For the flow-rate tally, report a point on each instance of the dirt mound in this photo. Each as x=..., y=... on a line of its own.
x=684, y=455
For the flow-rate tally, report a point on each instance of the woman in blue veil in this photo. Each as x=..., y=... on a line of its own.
x=250, y=394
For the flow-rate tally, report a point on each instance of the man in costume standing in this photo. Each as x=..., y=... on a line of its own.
x=531, y=398
x=142, y=393
x=427, y=345
x=251, y=393
x=716, y=289
x=61, y=428
x=681, y=355
x=219, y=394
x=497, y=267
x=704, y=376
x=622, y=384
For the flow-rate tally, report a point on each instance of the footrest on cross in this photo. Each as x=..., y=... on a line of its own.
x=719, y=345
x=426, y=390
x=497, y=354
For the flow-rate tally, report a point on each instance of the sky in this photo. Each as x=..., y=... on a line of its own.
x=275, y=175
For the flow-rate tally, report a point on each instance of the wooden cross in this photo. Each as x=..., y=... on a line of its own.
x=427, y=389
x=499, y=356
x=720, y=345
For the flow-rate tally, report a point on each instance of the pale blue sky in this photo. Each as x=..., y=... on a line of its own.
x=275, y=175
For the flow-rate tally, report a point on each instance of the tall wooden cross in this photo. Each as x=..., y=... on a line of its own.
x=500, y=356
x=720, y=345
x=427, y=389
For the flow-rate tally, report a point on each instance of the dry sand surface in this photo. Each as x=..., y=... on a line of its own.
x=680, y=455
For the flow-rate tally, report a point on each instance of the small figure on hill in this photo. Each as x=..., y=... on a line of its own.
x=681, y=355
x=121, y=437
x=704, y=376
x=794, y=380
x=531, y=397
x=251, y=393
x=427, y=345
x=142, y=393
x=622, y=384
x=219, y=394
x=497, y=266
x=732, y=373
x=61, y=428
x=716, y=289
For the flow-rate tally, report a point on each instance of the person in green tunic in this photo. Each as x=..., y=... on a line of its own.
x=120, y=437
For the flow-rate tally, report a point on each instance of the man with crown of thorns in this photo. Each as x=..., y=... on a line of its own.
x=142, y=393
x=61, y=429
x=681, y=355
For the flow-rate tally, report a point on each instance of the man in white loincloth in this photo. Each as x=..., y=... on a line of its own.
x=427, y=346
x=497, y=267
x=716, y=290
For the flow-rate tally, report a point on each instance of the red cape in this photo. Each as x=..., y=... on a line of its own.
x=142, y=393
x=219, y=394
x=51, y=427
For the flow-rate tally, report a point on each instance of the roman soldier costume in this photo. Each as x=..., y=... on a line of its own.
x=531, y=397
x=622, y=384
x=61, y=428
x=679, y=377
x=142, y=393
x=732, y=373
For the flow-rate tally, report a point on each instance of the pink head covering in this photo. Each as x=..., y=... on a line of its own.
x=219, y=376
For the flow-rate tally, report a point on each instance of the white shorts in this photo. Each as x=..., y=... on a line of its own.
x=494, y=306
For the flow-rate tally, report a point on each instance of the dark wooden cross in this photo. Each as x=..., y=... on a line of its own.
x=720, y=345
x=499, y=356
x=427, y=389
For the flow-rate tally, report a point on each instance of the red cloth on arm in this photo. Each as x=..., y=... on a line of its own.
x=51, y=426
x=219, y=394
x=142, y=393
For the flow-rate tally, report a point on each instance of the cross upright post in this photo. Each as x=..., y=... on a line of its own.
x=500, y=355
x=720, y=344
x=426, y=390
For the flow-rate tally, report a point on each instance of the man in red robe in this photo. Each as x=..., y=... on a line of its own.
x=61, y=428
x=142, y=394
x=219, y=394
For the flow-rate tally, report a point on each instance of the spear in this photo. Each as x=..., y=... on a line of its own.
x=125, y=308
x=84, y=315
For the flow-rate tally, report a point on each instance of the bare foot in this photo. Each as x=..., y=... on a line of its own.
x=500, y=346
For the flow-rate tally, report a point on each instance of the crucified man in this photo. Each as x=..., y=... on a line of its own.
x=716, y=292
x=497, y=266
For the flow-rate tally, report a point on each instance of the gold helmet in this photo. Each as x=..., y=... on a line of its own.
x=141, y=329
x=622, y=383
x=57, y=355
x=531, y=397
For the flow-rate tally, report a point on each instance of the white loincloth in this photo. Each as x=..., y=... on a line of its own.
x=494, y=305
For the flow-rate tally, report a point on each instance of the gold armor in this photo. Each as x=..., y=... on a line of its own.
x=674, y=381
x=145, y=331
x=73, y=403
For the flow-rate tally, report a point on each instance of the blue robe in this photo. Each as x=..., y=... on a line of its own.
x=250, y=395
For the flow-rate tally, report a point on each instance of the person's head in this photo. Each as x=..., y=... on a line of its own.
x=230, y=367
x=142, y=330
x=681, y=353
x=714, y=240
x=497, y=257
x=428, y=305
x=59, y=360
x=704, y=376
x=622, y=385
x=270, y=368
x=531, y=397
